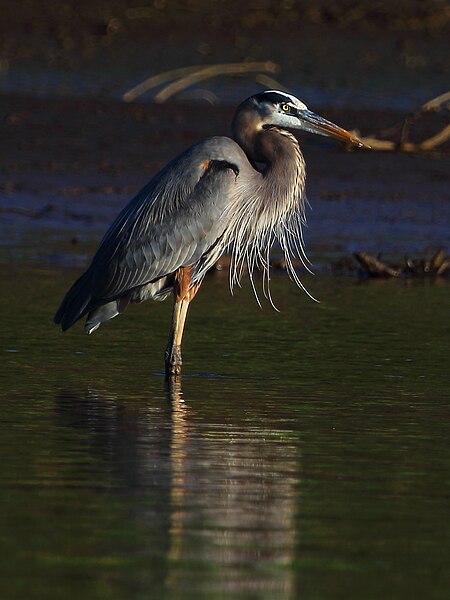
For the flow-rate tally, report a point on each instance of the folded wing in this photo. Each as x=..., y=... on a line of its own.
x=172, y=222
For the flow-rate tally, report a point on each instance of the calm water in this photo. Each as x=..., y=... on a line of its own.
x=304, y=455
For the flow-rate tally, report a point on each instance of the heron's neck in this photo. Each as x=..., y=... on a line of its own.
x=284, y=171
x=269, y=203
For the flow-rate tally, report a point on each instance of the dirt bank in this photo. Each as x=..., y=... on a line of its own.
x=68, y=166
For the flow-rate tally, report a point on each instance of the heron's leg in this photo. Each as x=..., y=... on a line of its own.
x=173, y=351
x=183, y=294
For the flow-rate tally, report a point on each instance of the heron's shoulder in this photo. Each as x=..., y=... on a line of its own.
x=220, y=148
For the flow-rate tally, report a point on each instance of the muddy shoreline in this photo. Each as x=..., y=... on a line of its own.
x=69, y=165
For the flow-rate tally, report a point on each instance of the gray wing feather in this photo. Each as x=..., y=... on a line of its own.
x=171, y=223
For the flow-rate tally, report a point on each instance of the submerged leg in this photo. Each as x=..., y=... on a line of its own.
x=183, y=294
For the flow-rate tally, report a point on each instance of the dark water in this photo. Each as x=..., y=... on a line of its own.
x=304, y=455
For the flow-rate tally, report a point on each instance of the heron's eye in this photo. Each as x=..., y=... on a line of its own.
x=285, y=107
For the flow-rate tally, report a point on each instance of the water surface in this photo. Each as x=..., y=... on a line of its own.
x=303, y=455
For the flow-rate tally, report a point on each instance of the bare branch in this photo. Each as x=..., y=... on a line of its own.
x=156, y=80
x=437, y=103
x=213, y=71
x=186, y=76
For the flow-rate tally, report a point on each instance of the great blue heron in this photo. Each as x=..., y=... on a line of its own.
x=239, y=194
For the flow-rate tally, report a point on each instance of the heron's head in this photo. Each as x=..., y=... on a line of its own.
x=279, y=109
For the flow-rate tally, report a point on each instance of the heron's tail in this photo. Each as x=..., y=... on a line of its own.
x=76, y=302
x=105, y=312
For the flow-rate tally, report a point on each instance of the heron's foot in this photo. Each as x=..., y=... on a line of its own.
x=173, y=361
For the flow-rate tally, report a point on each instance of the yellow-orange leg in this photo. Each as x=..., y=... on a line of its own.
x=183, y=294
x=173, y=351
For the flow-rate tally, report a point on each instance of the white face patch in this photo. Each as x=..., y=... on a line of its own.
x=288, y=98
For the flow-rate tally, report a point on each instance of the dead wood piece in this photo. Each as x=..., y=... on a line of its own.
x=437, y=265
x=441, y=102
x=375, y=267
x=156, y=80
x=213, y=71
x=184, y=77
x=389, y=146
x=435, y=140
x=445, y=266
x=438, y=259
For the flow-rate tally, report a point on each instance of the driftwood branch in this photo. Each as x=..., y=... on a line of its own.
x=439, y=103
x=425, y=146
x=436, y=266
x=182, y=78
x=374, y=266
x=156, y=80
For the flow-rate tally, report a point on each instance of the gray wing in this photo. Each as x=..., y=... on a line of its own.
x=172, y=222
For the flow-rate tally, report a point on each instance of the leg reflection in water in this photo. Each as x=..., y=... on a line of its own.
x=233, y=503
x=206, y=491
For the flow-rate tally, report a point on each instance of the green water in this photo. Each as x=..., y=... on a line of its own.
x=304, y=455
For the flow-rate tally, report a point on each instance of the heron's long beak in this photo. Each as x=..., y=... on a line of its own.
x=315, y=124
